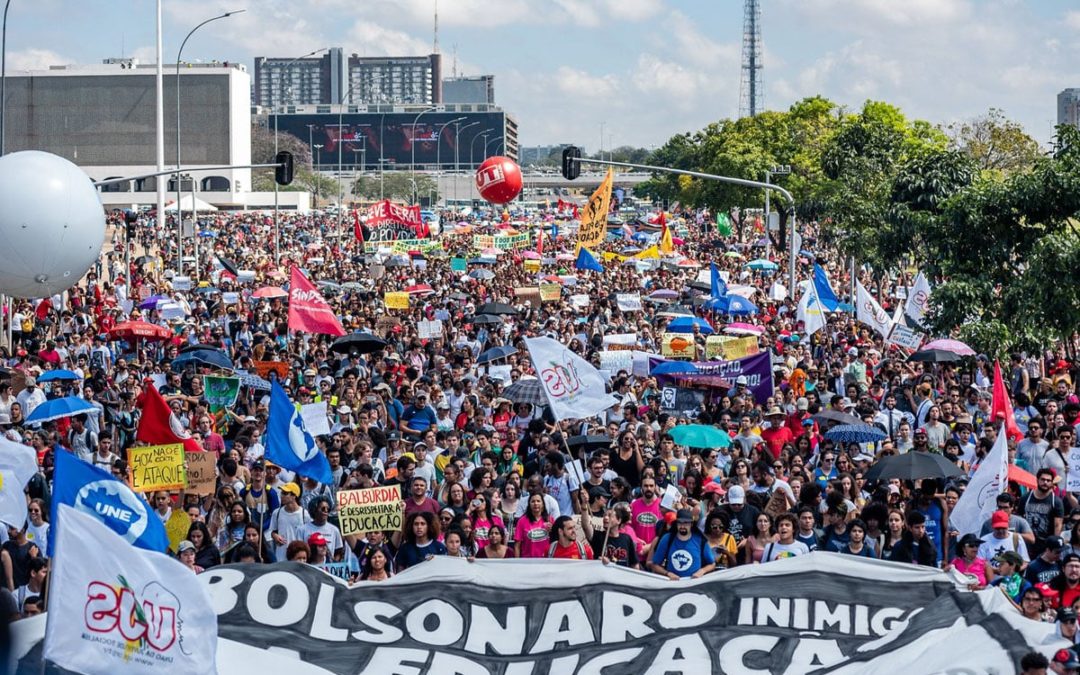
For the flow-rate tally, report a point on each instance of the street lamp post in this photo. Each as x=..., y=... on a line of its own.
x=483, y=134
x=487, y=143
x=781, y=170
x=318, y=169
x=179, y=211
x=438, y=142
x=3, y=75
x=412, y=162
x=457, y=152
x=277, y=227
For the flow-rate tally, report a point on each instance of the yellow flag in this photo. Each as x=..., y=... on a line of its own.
x=651, y=252
x=594, y=214
x=666, y=245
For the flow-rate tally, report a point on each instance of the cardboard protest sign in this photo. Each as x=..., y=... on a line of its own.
x=370, y=510
x=628, y=302
x=429, y=330
x=677, y=346
x=532, y=265
x=550, y=292
x=201, y=473
x=157, y=467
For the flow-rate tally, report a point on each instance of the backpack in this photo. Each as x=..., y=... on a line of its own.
x=670, y=537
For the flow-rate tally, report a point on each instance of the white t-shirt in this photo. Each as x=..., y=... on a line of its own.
x=992, y=546
x=327, y=529
x=776, y=551
x=289, y=526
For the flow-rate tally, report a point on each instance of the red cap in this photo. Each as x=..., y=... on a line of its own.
x=999, y=519
x=316, y=539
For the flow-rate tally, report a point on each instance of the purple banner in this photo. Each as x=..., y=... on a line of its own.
x=756, y=368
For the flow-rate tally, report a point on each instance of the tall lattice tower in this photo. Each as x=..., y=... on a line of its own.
x=751, y=94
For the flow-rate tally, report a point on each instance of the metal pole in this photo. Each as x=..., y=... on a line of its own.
x=179, y=212
x=768, y=240
x=195, y=228
x=438, y=142
x=318, y=172
x=382, y=164
x=457, y=153
x=3, y=77
x=487, y=143
x=412, y=148
x=472, y=144
x=159, y=126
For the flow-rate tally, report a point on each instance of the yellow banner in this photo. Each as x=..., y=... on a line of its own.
x=396, y=300
x=550, y=292
x=650, y=253
x=677, y=346
x=157, y=467
x=594, y=214
x=369, y=510
x=532, y=265
x=729, y=348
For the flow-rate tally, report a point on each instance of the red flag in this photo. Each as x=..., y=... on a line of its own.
x=357, y=230
x=308, y=311
x=540, y=241
x=1001, y=407
x=576, y=216
x=158, y=425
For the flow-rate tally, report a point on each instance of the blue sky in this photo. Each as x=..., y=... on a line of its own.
x=645, y=69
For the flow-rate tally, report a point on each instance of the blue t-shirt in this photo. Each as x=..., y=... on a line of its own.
x=683, y=558
x=934, y=516
x=419, y=419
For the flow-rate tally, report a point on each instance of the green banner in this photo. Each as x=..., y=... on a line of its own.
x=220, y=392
x=458, y=265
x=723, y=224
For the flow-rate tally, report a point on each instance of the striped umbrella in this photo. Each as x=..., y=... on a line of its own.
x=855, y=433
x=526, y=391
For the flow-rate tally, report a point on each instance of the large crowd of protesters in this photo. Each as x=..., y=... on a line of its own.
x=486, y=477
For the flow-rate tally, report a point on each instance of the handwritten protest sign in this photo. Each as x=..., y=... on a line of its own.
x=396, y=300
x=429, y=330
x=201, y=473
x=532, y=265
x=370, y=510
x=550, y=292
x=157, y=467
x=264, y=368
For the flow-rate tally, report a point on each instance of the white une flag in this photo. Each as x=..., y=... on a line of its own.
x=918, y=299
x=120, y=610
x=574, y=388
x=810, y=311
x=18, y=464
x=870, y=312
x=979, y=500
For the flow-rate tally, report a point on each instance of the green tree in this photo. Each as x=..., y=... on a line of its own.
x=262, y=152
x=995, y=143
x=396, y=186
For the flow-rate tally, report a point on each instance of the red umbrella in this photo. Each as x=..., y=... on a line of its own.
x=139, y=330
x=1021, y=477
x=420, y=289
x=267, y=292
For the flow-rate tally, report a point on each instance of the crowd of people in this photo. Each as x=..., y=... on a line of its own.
x=483, y=476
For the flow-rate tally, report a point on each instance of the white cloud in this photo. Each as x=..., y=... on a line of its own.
x=579, y=84
x=907, y=13
x=34, y=59
x=1072, y=19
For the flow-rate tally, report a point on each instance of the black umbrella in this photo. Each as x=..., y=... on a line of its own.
x=526, y=391
x=144, y=259
x=230, y=266
x=934, y=356
x=912, y=465
x=358, y=343
x=589, y=443
x=460, y=297
x=836, y=416
x=496, y=308
x=496, y=353
x=484, y=319
x=700, y=286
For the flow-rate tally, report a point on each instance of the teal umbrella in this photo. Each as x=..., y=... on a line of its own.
x=700, y=436
x=762, y=264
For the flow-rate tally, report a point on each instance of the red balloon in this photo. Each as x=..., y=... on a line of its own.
x=498, y=180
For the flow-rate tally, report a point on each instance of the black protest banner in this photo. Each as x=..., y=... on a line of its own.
x=820, y=613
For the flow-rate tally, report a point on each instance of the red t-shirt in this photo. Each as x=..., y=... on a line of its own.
x=776, y=437
x=573, y=551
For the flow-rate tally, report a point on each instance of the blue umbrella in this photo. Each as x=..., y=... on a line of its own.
x=206, y=356
x=675, y=368
x=496, y=353
x=855, y=433
x=207, y=234
x=685, y=324
x=481, y=261
x=60, y=407
x=740, y=306
x=762, y=264
x=60, y=374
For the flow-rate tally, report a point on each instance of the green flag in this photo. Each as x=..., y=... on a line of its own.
x=723, y=224
x=220, y=392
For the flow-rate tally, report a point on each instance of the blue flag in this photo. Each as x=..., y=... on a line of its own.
x=719, y=288
x=98, y=493
x=826, y=295
x=288, y=443
x=586, y=261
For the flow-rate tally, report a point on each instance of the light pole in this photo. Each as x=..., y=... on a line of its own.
x=483, y=134
x=412, y=162
x=179, y=212
x=318, y=169
x=487, y=143
x=457, y=152
x=781, y=170
x=357, y=172
x=277, y=227
x=3, y=75
x=438, y=146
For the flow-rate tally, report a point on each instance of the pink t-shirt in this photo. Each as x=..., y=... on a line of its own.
x=533, y=537
x=976, y=569
x=481, y=528
x=644, y=517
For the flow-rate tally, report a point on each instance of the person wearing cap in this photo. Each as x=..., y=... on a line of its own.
x=741, y=516
x=185, y=552
x=288, y=520
x=417, y=418
x=1009, y=579
x=1017, y=524
x=1045, y=567
x=683, y=552
x=969, y=563
x=1065, y=662
x=1066, y=625
x=776, y=434
x=1001, y=540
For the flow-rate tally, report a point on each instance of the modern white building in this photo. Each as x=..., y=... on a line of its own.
x=102, y=117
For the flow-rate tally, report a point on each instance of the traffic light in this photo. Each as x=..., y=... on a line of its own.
x=571, y=168
x=131, y=219
x=283, y=172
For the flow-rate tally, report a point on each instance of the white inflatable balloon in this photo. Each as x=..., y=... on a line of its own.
x=52, y=224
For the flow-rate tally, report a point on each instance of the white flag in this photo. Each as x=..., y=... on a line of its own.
x=119, y=610
x=810, y=311
x=574, y=388
x=868, y=311
x=979, y=500
x=918, y=299
x=18, y=464
x=22, y=459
